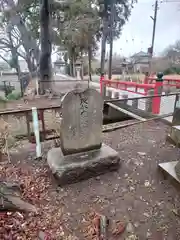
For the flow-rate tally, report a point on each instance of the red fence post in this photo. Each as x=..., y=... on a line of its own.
x=157, y=90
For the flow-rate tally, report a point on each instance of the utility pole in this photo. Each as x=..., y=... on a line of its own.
x=154, y=25
x=153, y=33
x=111, y=38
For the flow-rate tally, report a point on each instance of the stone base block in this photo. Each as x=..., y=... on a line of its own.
x=169, y=169
x=170, y=140
x=174, y=136
x=76, y=167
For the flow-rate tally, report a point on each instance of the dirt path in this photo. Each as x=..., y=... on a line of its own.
x=136, y=195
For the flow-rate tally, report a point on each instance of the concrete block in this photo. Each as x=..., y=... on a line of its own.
x=175, y=134
x=76, y=167
x=169, y=170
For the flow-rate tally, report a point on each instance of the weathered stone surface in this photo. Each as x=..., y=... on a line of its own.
x=176, y=117
x=177, y=170
x=10, y=194
x=175, y=134
x=76, y=167
x=82, y=116
x=169, y=168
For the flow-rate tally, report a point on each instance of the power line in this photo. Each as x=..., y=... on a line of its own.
x=170, y=1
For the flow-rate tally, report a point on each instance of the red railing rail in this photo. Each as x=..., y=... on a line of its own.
x=133, y=87
x=166, y=80
x=127, y=86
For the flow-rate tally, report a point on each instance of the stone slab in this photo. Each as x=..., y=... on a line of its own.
x=170, y=140
x=82, y=118
x=174, y=135
x=169, y=168
x=168, y=119
x=80, y=166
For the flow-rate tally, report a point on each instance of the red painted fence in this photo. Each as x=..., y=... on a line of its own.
x=150, y=83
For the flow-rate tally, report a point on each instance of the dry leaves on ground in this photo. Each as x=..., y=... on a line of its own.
x=36, y=183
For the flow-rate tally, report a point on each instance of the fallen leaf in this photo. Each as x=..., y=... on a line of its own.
x=141, y=153
x=176, y=212
x=120, y=228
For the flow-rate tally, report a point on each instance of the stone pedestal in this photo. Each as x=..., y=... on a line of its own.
x=173, y=168
x=80, y=166
x=169, y=168
x=174, y=136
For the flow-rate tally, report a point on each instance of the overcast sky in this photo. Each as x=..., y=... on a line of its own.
x=139, y=27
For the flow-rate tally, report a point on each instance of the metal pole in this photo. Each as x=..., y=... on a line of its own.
x=110, y=129
x=126, y=112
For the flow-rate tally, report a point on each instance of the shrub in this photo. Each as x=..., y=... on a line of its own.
x=14, y=96
x=172, y=70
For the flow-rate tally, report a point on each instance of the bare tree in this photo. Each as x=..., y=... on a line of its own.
x=172, y=52
x=15, y=19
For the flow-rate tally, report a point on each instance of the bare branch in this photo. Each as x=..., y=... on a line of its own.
x=5, y=50
x=5, y=42
x=4, y=59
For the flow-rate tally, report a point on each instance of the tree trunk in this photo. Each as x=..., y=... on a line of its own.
x=73, y=63
x=103, y=52
x=70, y=68
x=30, y=59
x=89, y=62
x=30, y=64
x=18, y=71
x=46, y=47
x=111, y=39
x=103, y=46
x=16, y=62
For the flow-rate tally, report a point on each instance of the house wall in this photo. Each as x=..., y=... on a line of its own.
x=141, y=67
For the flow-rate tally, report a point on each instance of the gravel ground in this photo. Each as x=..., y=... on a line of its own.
x=136, y=199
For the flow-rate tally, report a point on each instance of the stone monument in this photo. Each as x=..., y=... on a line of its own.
x=82, y=154
x=172, y=168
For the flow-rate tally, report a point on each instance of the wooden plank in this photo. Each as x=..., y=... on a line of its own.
x=18, y=111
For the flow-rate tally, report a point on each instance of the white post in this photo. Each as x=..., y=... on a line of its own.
x=36, y=131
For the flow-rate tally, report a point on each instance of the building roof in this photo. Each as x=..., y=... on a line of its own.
x=140, y=54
